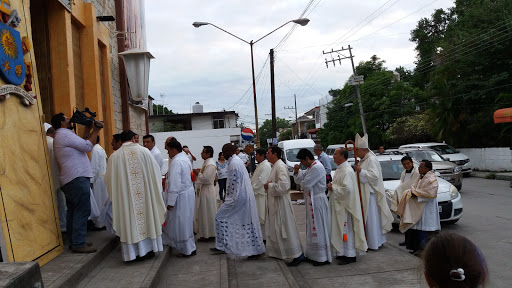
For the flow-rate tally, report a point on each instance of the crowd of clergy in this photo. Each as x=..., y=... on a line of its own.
x=132, y=200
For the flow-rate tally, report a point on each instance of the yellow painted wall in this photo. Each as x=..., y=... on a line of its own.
x=28, y=211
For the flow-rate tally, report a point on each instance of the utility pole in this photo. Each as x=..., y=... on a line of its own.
x=296, y=119
x=356, y=80
x=273, y=96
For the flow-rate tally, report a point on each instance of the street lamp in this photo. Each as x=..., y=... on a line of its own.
x=300, y=21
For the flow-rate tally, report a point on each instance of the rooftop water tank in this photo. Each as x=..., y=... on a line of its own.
x=197, y=108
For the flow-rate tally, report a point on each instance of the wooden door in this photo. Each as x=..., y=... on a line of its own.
x=28, y=213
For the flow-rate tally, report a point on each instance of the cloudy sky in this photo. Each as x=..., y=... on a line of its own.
x=207, y=65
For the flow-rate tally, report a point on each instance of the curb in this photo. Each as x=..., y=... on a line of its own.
x=154, y=276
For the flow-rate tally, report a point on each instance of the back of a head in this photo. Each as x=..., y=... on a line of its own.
x=127, y=135
x=452, y=260
x=318, y=147
x=174, y=144
x=303, y=153
x=57, y=120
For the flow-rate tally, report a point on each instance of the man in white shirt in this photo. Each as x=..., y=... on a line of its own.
x=99, y=167
x=179, y=197
x=318, y=216
x=244, y=157
x=189, y=155
x=259, y=178
x=149, y=142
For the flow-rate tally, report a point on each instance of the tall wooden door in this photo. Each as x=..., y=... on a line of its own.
x=29, y=216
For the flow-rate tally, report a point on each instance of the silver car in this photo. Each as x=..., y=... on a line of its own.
x=449, y=171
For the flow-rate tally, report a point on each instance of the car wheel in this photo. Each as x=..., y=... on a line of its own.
x=459, y=187
x=451, y=222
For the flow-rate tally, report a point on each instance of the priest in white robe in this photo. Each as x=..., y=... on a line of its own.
x=283, y=241
x=237, y=224
x=206, y=196
x=408, y=178
x=318, y=215
x=99, y=167
x=347, y=229
x=179, y=196
x=419, y=210
x=376, y=212
x=259, y=178
x=133, y=182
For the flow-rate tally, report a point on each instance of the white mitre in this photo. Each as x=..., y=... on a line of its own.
x=362, y=142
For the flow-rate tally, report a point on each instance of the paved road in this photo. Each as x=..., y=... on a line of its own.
x=487, y=221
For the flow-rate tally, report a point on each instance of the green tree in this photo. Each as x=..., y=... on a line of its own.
x=161, y=110
x=285, y=135
x=265, y=130
x=469, y=73
x=409, y=129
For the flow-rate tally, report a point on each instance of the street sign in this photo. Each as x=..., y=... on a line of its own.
x=356, y=80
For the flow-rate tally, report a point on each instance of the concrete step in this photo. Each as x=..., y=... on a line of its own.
x=114, y=272
x=68, y=269
x=20, y=274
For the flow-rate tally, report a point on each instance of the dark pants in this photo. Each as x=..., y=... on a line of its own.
x=417, y=239
x=78, y=201
x=222, y=188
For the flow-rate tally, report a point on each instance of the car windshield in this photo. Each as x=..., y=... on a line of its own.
x=426, y=155
x=391, y=169
x=445, y=149
x=291, y=154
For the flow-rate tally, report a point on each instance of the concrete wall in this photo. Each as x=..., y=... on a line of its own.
x=202, y=122
x=491, y=159
x=196, y=139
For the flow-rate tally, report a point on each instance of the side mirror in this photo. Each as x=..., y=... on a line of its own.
x=447, y=159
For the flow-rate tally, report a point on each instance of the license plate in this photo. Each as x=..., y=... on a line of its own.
x=440, y=209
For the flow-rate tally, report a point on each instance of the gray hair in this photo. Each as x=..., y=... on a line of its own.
x=318, y=147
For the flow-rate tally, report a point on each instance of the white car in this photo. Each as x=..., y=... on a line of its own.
x=448, y=197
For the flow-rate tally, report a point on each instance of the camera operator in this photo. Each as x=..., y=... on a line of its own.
x=75, y=173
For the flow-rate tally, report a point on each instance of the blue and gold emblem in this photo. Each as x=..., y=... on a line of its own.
x=12, y=66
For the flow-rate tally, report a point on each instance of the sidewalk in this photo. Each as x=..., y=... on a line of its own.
x=388, y=267
x=499, y=175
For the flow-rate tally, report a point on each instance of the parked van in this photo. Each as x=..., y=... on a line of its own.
x=331, y=148
x=290, y=150
x=448, y=152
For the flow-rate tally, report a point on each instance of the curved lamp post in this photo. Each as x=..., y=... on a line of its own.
x=300, y=21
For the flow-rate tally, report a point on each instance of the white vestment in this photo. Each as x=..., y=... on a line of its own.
x=259, y=178
x=158, y=158
x=59, y=195
x=99, y=167
x=236, y=224
x=134, y=184
x=406, y=181
x=206, y=200
x=179, y=194
x=282, y=235
x=377, y=215
x=347, y=218
x=318, y=216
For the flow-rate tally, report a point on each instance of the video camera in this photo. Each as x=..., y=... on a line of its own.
x=79, y=117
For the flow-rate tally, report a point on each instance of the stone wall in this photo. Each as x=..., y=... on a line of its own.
x=490, y=159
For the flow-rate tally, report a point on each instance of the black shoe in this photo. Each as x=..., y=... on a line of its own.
x=215, y=251
x=297, y=261
x=202, y=239
x=347, y=260
x=254, y=257
x=340, y=257
x=402, y=244
x=149, y=255
x=315, y=263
